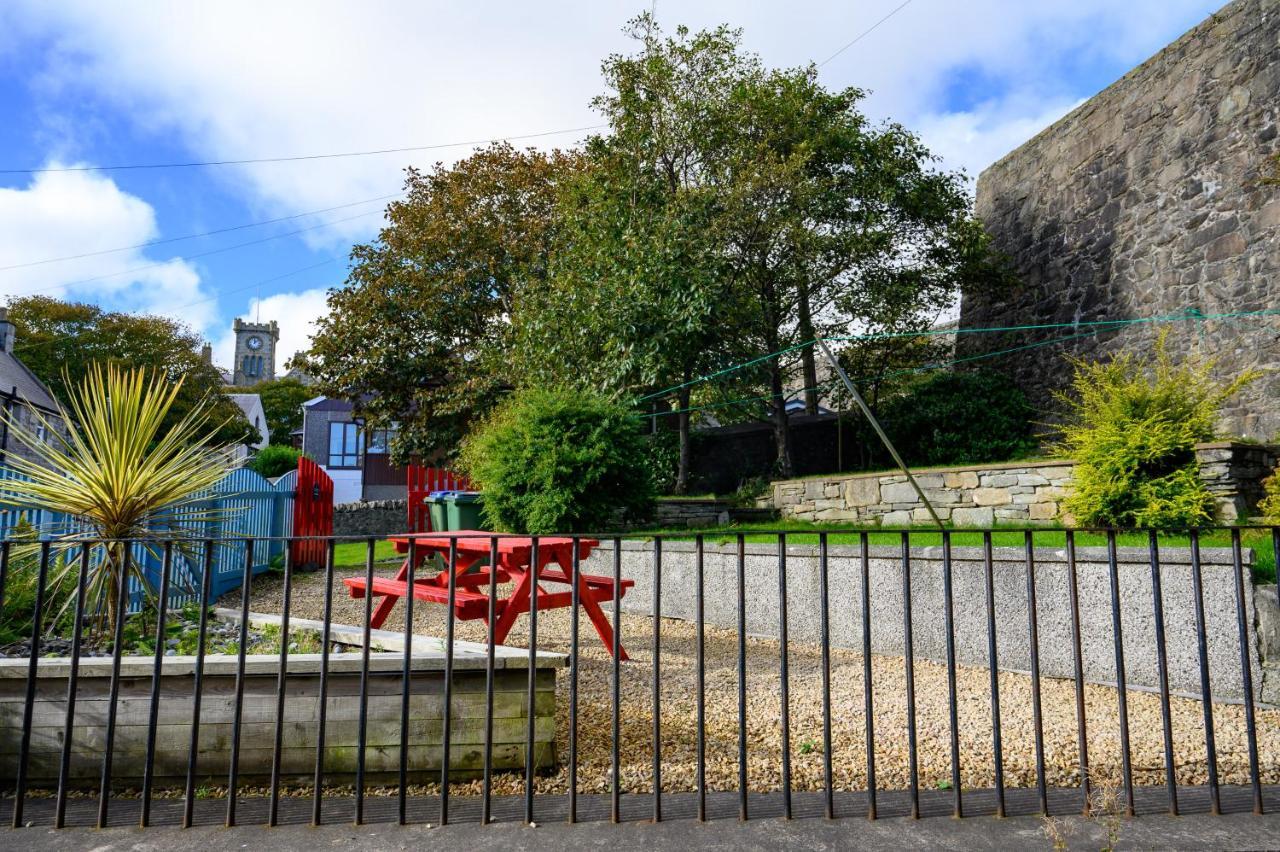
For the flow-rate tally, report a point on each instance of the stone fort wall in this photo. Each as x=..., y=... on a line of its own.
x=1149, y=200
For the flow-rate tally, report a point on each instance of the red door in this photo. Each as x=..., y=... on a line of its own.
x=312, y=515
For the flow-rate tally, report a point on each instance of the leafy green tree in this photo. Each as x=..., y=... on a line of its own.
x=282, y=401
x=420, y=333
x=559, y=460
x=61, y=342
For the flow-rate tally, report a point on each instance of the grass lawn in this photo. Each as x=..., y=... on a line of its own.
x=351, y=554
x=799, y=532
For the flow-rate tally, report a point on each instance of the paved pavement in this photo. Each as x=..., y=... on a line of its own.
x=1236, y=831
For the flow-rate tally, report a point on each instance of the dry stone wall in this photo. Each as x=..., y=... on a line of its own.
x=1149, y=201
x=974, y=497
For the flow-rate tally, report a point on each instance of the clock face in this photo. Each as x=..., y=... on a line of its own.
x=254, y=342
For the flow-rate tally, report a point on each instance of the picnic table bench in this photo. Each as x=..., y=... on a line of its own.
x=513, y=564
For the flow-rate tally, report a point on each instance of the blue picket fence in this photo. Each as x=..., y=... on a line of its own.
x=244, y=505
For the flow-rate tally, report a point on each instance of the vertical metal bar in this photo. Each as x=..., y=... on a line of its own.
x=573, y=683
x=1082, y=732
x=701, y=722
x=206, y=582
x=241, y=651
x=615, y=792
x=824, y=629
x=447, y=714
x=993, y=669
x=1162, y=666
x=1122, y=696
x=529, y=757
x=784, y=677
x=4, y=568
x=1033, y=643
x=742, y=677
x=273, y=806
x=1206, y=693
x=1246, y=671
x=868, y=694
x=153, y=715
x=322, y=716
x=77, y=636
x=117, y=649
x=486, y=793
x=402, y=791
x=657, y=675
x=913, y=762
x=362, y=732
x=952, y=717
x=29, y=703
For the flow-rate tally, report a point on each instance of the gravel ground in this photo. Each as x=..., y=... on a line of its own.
x=678, y=712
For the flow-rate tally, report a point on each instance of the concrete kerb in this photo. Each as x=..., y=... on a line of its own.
x=969, y=604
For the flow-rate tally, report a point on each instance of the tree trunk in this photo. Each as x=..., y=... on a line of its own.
x=781, y=427
x=808, y=361
x=682, y=473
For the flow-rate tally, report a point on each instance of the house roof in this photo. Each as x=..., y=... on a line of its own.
x=15, y=376
x=326, y=403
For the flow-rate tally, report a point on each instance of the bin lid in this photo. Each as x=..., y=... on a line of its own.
x=464, y=497
x=440, y=495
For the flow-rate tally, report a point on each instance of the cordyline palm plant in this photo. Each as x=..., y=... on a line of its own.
x=118, y=478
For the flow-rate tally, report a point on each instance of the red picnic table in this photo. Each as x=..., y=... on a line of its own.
x=515, y=555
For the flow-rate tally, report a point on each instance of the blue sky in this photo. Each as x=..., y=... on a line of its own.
x=94, y=84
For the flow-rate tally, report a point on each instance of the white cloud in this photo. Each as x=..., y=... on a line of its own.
x=69, y=213
x=295, y=312
x=245, y=79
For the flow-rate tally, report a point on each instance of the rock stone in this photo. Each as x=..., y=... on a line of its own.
x=862, y=491
x=991, y=496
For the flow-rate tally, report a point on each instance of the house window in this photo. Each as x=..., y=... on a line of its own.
x=346, y=445
x=380, y=440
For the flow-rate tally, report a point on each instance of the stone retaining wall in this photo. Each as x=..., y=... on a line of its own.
x=704, y=513
x=1009, y=581
x=1233, y=472
x=975, y=496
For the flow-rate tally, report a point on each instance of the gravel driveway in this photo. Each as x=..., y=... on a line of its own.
x=678, y=709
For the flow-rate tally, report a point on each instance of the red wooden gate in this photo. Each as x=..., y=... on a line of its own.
x=424, y=480
x=312, y=515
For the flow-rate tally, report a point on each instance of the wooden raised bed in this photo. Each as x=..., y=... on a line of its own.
x=257, y=734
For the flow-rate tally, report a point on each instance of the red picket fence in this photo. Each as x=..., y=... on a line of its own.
x=424, y=480
x=312, y=514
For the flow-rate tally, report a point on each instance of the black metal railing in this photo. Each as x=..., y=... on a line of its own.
x=647, y=561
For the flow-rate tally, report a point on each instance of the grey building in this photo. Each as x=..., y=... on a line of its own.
x=1156, y=198
x=354, y=456
x=255, y=356
x=24, y=398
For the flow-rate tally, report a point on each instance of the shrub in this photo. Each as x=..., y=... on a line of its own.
x=274, y=460
x=663, y=451
x=961, y=418
x=1132, y=431
x=559, y=461
x=1270, y=505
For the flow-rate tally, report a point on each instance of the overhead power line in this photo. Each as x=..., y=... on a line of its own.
x=300, y=157
x=214, y=232
x=868, y=31
x=194, y=256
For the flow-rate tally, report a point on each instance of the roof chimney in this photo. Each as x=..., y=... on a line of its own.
x=8, y=332
x=206, y=353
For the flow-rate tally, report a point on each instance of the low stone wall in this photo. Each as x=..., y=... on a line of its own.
x=678, y=512
x=1233, y=473
x=257, y=733
x=969, y=597
x=972, y=496
x=985, y=495
x=375, y=518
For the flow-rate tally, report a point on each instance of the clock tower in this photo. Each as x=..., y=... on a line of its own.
x=255, y=359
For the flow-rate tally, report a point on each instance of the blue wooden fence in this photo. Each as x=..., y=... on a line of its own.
x=245, y=505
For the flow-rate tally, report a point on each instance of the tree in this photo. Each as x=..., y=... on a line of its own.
x=282, y=401
x=420, y=333
x=61, y=342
